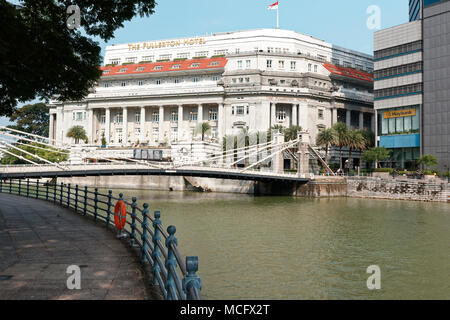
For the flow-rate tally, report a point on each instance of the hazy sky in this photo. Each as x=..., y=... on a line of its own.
x=341, y=23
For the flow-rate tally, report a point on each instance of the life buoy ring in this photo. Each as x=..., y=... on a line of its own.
x=120, y=215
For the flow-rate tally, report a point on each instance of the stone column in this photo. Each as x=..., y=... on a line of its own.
x=180, y=122
x=348, y=119
x=334, y=116
x=294, y=115
x=303, y=116
x=125, y=125
x=90, y=126
x=107, y=124
x=143, y=129
x=303, y=155
x=278, y=159
x=59, y=126
x=161, y=124
x=273, y=114
x=361, y=120
x=220, y=121
x=200, y=113
x=50, y=129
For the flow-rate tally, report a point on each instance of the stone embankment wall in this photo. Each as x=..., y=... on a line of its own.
x=399, y=189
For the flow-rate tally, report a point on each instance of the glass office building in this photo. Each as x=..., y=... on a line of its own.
x=415, y=10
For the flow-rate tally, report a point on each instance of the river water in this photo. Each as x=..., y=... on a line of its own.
x=292, y=248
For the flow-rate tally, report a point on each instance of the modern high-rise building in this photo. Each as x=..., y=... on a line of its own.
x=412, y=82
x=436, y=82
x=398, y=92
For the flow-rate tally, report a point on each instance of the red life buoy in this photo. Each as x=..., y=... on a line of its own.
x=120, y=215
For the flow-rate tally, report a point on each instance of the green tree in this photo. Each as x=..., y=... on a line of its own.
x=103, y=139
x=42, y=151
x=428, y=160
x=77, y=133
x=276, y=127
x=325, y=138
x=341, y=138
x=42, y=57
x=203, y=128
x=31, y=118
x=292, y=133
x=369, y=137
x=356, y=141
x=376, y=155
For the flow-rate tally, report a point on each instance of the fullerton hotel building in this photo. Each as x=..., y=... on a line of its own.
x=159, y=92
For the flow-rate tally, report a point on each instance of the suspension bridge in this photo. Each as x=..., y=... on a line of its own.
x=263, y=162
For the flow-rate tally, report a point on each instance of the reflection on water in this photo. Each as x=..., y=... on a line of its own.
x=292, y=248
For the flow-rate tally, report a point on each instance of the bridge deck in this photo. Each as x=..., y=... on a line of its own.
x=17, y=172
x=39, y=240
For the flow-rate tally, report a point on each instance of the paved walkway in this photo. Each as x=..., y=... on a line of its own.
x=39, y=240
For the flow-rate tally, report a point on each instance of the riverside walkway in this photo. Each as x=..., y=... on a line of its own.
x=39, y=240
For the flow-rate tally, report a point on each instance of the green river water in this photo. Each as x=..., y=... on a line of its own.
x=292, y=248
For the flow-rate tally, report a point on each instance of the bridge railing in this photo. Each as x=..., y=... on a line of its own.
x=176, y=277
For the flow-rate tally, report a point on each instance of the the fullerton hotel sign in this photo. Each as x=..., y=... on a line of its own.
x=166, y=44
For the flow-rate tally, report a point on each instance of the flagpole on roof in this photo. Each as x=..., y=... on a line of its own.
x=278, y=15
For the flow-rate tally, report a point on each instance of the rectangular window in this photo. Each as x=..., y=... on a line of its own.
x=157, y=68
x=320, y=115
x=137, y=118
x=280, y=64
x=124, y=84
x=220, y=52
x=247, y=80
x=193, y=116
x=196, y=79
x=177, y=80
x=212, y=115
x=103, y=119
x=158, y=81
x=165, y=57
x=293, y=65
x=281, y=115
x=309, y=67
x=155, y=116
x=174, y=134
x=174, y=116
x=201, y=54
x=131, y=60
x=248, y=64
x=119, y=118
x=140, y=83
x=184, y=55
x=239, y=64
x=148, y=58
x=239, y=110
x=79, y=116
x=315, y=68
x=269, y=63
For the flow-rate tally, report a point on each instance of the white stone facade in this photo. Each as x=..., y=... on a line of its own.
x=271, y=77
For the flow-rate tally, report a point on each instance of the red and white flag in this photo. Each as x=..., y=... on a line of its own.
x=273, y=6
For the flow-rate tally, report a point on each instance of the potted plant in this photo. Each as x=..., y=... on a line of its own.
x=103, y=140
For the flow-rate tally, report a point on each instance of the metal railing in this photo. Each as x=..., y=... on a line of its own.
x=175, y=277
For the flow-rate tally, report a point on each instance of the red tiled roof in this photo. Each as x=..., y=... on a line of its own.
x=348, y=72
x=213, y=63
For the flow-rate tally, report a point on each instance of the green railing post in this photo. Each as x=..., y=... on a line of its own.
x=144, y=237
x=46, y=191
x=85, y=200
x=76, y=198
x=171, y=263
x=37, y=189
x=54, y=192
x=61, y=195
x=68, y=195
x=20, y=186
x=1, y=184
x=133, y=221
x=192, y=281
x=95, y=204
x=156, y=251
x=108, y=212
x=10, y=185
x=28, y=187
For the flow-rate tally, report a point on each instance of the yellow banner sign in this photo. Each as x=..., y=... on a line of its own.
x=399, y=113
x=166, y=44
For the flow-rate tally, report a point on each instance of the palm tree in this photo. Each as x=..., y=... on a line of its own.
x=341, y=138
x=291, y=133
x=356, y=141
x=204, y=128
x=326, y=138
x=78, y=133
x=369, y=136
